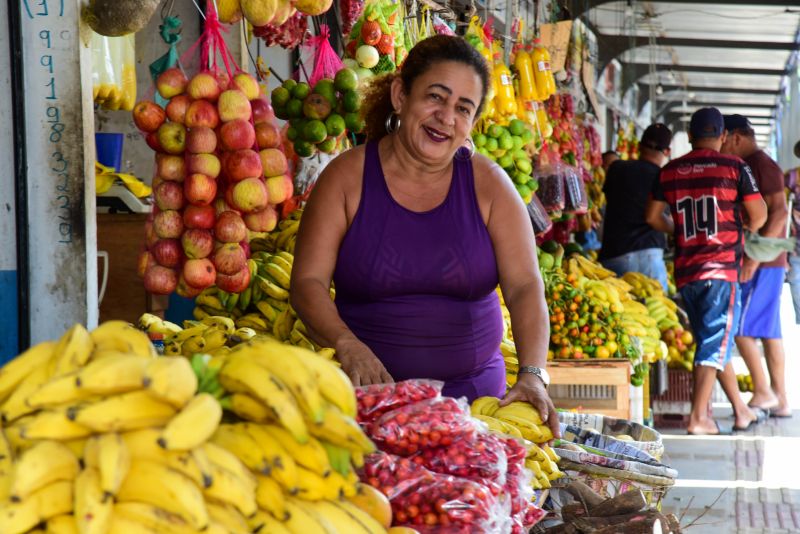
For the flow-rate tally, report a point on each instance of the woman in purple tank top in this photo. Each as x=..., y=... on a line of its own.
x=416, y=232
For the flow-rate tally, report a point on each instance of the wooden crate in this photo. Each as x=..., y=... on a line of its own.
x=592, y=386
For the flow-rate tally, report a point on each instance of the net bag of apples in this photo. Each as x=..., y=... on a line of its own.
x=219, y=173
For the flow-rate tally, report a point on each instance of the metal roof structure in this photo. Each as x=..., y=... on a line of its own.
x=685, y=54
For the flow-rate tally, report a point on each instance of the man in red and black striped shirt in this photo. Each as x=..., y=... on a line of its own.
x=705, y=191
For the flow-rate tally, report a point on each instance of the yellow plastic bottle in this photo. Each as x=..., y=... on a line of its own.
x=545, y=82
x=527, y=82
x=505, y=98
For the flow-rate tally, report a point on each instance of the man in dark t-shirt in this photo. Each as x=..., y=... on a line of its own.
x=762, y=283
x=706, y=192
x=629, y=243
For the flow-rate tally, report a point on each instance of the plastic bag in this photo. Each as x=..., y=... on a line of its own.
x=392, y=474
x=377, y=399
x=551, y=189
x=426, y=424
x=326, y=60
x=114, y=71
x=481, y=458
x=350, y=10
x=576, y=200
x=539, y=219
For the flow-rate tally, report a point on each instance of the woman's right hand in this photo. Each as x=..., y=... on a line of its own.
x=360, y=363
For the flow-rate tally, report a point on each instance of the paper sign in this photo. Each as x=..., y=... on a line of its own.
x=556, y=38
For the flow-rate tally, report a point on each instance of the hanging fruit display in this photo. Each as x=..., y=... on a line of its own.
x=377, y=40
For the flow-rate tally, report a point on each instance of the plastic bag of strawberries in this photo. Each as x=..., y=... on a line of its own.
x=377, y=399
x=517, y=488
x=430, y=423
x=433, y=503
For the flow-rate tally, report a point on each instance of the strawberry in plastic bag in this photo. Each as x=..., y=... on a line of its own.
x=377, y=399
x=481, y=458
x=430, y=423
x=392, y=474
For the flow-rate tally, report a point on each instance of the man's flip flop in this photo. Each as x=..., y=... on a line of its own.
x=761, y=416
x=722, y=430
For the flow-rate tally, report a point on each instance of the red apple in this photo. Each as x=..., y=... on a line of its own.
x=201, y=113
x=279, y=188
x=145, y=261
x=230, y=258
x=203, y=86
x=268, y=135
x=201, y=140
x=246, y=84
x=160, y=280
x=237, y=134
x=242, y=164
x=199, y=189
x=169, y=196
x=250, y=195
x=171, y=82
x=264, y=220
x=169, y=167
x=152, y=141
x=197, y=243
x=186, y=290
x=176, y=108
x=148, y=116
x=230, y=227
x=235, y=283
x=207, y=164
x=234, y=104
x=150, y=236
x=167, y=252
x=199, y=272
x=168, y=224
x=262, y=110
x=273, y=162
x=221, y=205
x=172, y=137
x=199, y=217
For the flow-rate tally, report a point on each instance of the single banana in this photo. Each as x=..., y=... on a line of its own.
x=289, y=258
x=19, y=517
x=53, y=424
x=244, y=334
x=193, y=345
x=282, y=328
x=227, y=516
x=219, y=322
x=310, y=517
x=142, y=446
x=16, y=404
x=6, y=466
x=116, y=373
x=522, y=409
x=193, y=425
x=231, y=490
x=267, y=524
x=16, y=370
x=119, y=413
x=361, y=516
x=73, y=350
x=186, y=333
x=311, y=455
x=214, y=338
x=122, y=337
x=228, y=461
x=243, y=376
x=153, y=517
x=243, y=446
x=265, y=309
x=282, y=466
x=282, y=263
x=312, y=487
x=334, y=385
x=62, y=524
x=249, y=408
x=272, y=287
x=157, y=484
x=46, y=462
x=124, y=525
x=173, y=348
x=338, y=457
x=270, y=497
x=92, y=510
x=154, y=324
x=287, y=364
x=57, y=391
x=342, y=520
x=171, y=379
x=113, y=460
x=342, y=431
x=485, y=406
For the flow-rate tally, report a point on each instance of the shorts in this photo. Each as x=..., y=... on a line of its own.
x=761, y=304
x=713, y=307
x=793, y=278
x=648, y=261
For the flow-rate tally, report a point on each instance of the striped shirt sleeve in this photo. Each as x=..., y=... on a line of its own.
x=748, y=190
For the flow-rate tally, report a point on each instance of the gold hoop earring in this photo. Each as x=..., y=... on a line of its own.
x=392, y=123
x=460, y=155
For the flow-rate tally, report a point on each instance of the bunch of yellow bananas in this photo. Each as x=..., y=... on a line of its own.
x=282, y=238
x=582, y=266
x=643, y=286
x=521, y=420
x=213, y=334
x=102, y=435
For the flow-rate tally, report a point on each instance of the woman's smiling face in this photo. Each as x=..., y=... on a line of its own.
x=439, y=112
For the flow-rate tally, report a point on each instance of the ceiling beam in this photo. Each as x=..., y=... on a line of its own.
x=612, y=46
x=633, y=72
x=579, y=8
x=724, y=90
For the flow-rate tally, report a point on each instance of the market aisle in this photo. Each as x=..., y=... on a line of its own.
x=750, y=480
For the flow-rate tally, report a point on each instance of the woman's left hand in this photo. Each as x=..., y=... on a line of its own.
x=530, y=388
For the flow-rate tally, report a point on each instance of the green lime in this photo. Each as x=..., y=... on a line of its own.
x=520, y=154
x=335, y=125
x=505, y=142
x=301, y=91
x=351, y=101
x=345, y=80
x=506, y=162
x=298, y=124
x=495, y=131
x=280, y=112
x=523, y=165
x=303, y=148
x=527, y=136
x=479, y=140
x=533, y=185
x=289, y=84
x=518, y=142
x=354, y=122
x=523, y=190
x=490, y=145
x=520, y=177
x=326, y=88
x=482, y=150
x=314, y=131
x=294, y=109
x=327, y=146
x=280, y=96
x=516, y=127
x=292, y=133
x=499, y=153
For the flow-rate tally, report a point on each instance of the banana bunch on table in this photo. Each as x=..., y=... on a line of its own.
x=100, y=434
x=213, y=334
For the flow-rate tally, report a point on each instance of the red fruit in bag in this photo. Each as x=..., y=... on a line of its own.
x=371, y=32
x=385, y=45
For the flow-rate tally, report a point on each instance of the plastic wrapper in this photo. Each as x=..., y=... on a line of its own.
x=377, y=399
x=576, y=200
x=481, y=459
x=551, y=189
x=598, y=431
x=114, y=71
x=426, y=424
x=392, y=474
x=539, y=218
